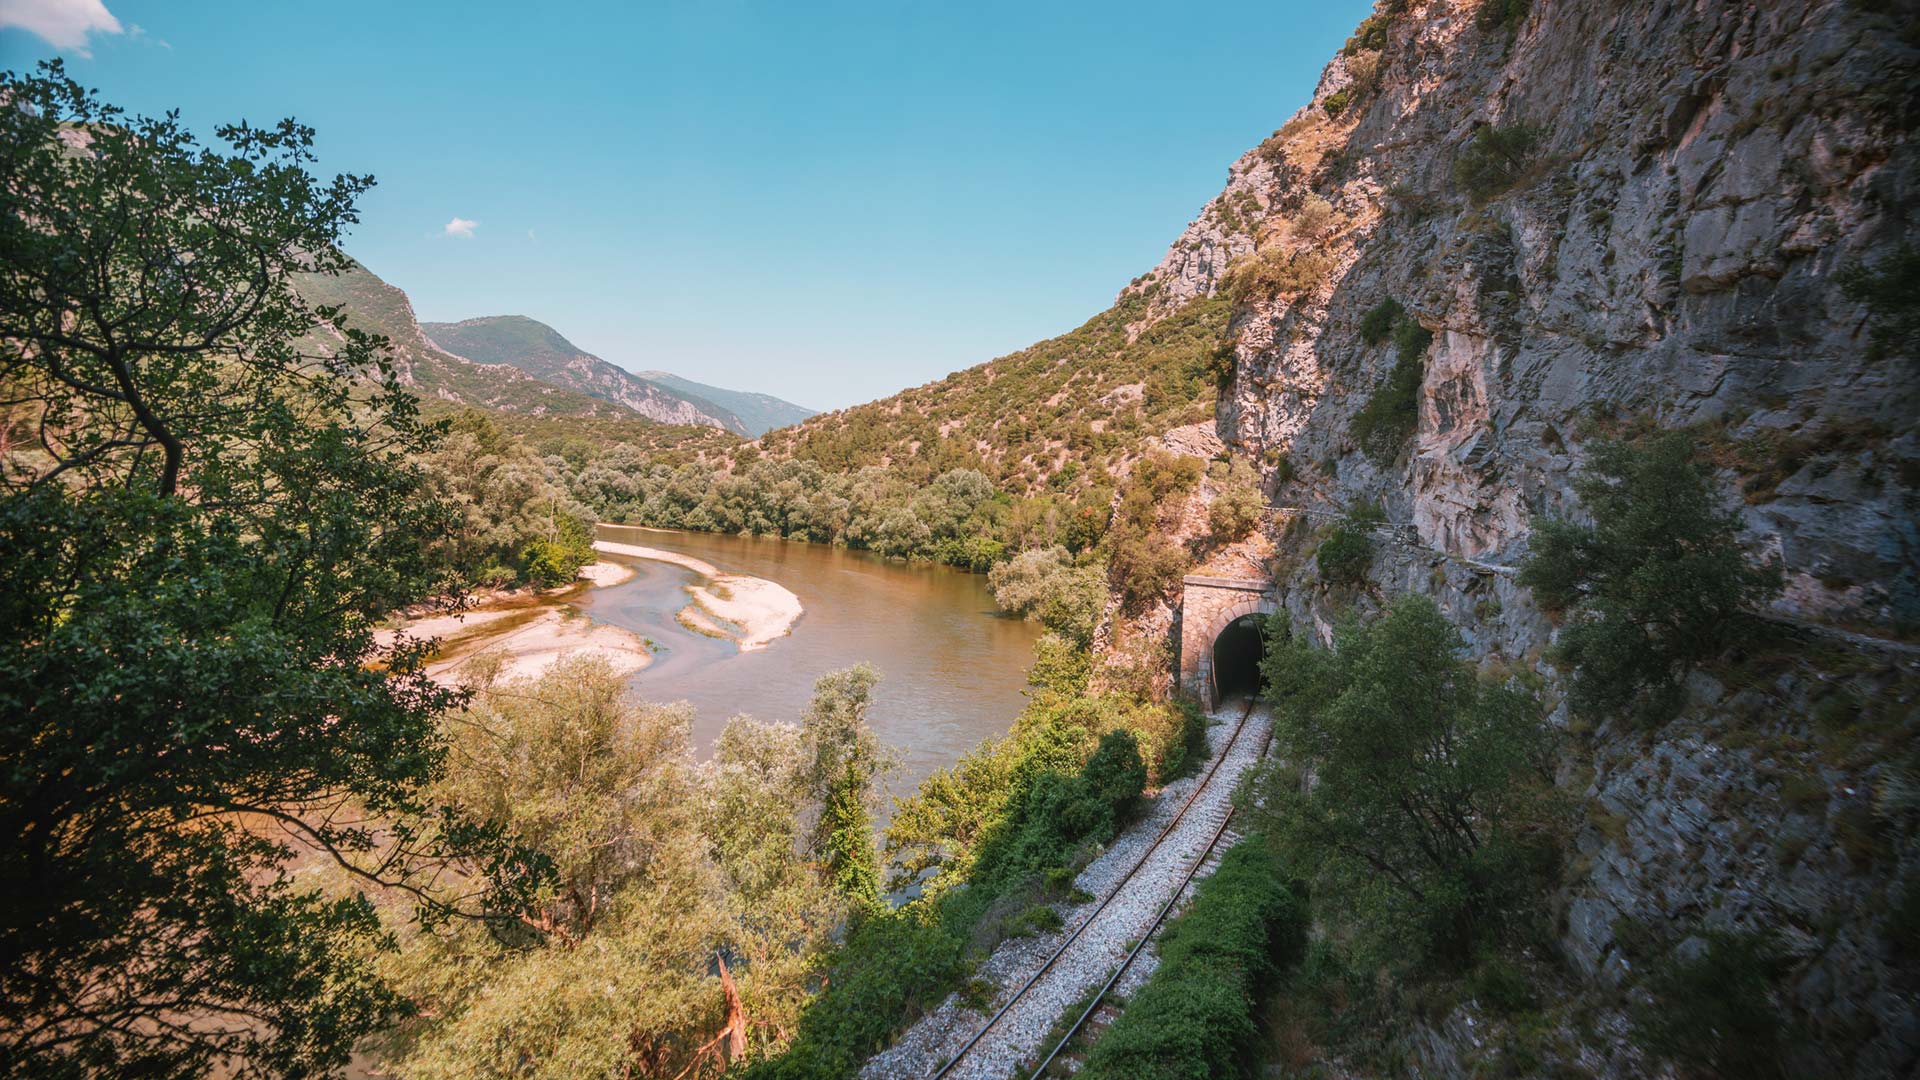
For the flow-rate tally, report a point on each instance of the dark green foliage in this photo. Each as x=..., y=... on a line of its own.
x=1501, y=14
x=1196, y=1016
x=1336, y=102
x=196, y=552
x=1392, y=414
x=1713, y=1014
x=1346, y=555
x=847, y=831
x=1659, y=582
x=556, y=559
x=1190, y=749
x=1372, y=32
x=1495, y=159
x=1378, y=323
x=1497, y=984
x=1423, y=826
x=1891, y=291
x=1051, y=815
x=893, y=967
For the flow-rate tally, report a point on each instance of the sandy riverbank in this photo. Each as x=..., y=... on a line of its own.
x=757, y=609
x=533, y=630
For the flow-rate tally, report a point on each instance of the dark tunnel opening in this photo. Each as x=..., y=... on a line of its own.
x=1236, y=657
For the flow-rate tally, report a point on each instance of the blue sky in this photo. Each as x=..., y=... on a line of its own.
x=827, y=202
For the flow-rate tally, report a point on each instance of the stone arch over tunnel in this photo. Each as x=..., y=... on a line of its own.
x=1208, y=607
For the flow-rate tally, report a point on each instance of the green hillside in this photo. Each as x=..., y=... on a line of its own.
x=540, y=350
x=1060, y=413
x=377, y=307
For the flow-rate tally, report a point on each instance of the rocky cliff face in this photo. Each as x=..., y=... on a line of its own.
x=1612, y=216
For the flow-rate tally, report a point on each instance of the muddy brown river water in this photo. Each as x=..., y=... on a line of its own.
x=952, y=668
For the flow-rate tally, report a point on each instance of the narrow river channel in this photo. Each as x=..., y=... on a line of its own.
x=952, y=668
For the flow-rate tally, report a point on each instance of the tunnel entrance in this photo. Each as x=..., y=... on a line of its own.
x=1236, y=657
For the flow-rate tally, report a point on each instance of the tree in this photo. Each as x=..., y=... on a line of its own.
x=207, y=519
x=1409, y=789
x=1658, y=583
x=608, y=973
x=845, y=759
x=1044, y=584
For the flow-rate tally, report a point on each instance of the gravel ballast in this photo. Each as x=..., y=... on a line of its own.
x=1016, y=1038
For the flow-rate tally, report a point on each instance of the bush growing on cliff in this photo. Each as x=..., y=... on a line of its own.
x=1274, y=273
x=1411, y=793
x=1378, y=323
x=1143, y=563
x=1891, y=291
x=1235, y=509
x=1713, y=1013
x=1657, y=584
x=1495, y=159
x=1346, y=555
x=1390, y=417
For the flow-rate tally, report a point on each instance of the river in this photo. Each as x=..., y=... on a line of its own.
x=952, y=667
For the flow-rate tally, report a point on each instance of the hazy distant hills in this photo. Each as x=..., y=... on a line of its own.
x=541, y=351
x=760, y=413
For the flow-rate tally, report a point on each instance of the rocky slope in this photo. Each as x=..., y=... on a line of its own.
x=1611, y=217
x=540, y=351
x=432, y=372
x=758, y=413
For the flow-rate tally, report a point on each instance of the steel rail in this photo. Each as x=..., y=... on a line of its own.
x=1119, y=886
x=1146, y=938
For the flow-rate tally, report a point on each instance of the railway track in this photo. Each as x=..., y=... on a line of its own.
x=1218, y=818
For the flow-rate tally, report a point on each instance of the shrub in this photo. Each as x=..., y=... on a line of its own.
x=1714, y=1013
x=1346, y=555
x=1235, y=509
x=1315, y=219
x=1195, y=1017
x=1428, y=789
x=1495, y=159
x=1659, y=582
x=1891, y=292
x=1189, y=748
x=1378, y=323
x=1272, y=272
x=893, y=967
x=1500, y=14
x=1336, y=102
x=1389, y=418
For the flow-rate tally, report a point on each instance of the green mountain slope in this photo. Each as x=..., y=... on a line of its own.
x=541, y=351
x=1060, y=413
x=760, y=413
x=377, y=307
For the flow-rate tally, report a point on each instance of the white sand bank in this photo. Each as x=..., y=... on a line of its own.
x=762, y=609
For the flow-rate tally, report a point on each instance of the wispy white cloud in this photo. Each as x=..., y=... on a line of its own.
x=461, y=227
x=67, y=25
x=532, y=237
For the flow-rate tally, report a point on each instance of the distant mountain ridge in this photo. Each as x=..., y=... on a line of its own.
x=377, y=307
x=543, y=352
x=761, y=412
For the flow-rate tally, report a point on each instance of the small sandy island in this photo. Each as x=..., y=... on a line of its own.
x=752, y=611
x=533, y=631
